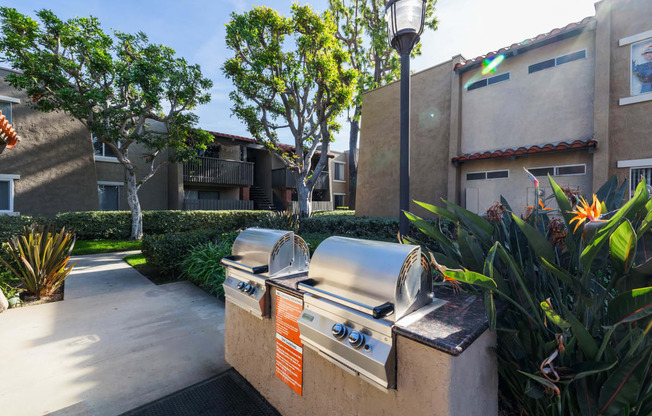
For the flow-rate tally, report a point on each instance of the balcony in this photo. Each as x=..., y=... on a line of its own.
x=219, y=172
x=216, y=205
x=284, y=179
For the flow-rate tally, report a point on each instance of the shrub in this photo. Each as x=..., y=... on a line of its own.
x=39, y=258
x=116, y=225
x=348, y=225
x=280, y=220
x=8, y=282
x=202, y=264
x=575, y=339
x=10, y=225
x=167, y=251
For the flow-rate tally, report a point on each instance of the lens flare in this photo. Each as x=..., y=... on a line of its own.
x=488, y=65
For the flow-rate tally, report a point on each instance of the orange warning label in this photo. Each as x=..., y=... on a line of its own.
x=289, y=353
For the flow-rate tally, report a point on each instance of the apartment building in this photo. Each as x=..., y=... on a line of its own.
x=573, y=103
x=58, y=167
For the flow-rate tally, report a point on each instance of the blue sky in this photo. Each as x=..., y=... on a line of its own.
x=196, y=28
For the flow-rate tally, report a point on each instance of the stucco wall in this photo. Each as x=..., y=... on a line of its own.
x=630, y=126
x=429, y=382
x=378, y=166
x=54, y=161
x=153, y=194
x=547, y=106
x=518, y=189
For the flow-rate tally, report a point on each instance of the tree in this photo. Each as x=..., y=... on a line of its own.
x=124, y=89
x=362, y=30
x=289, y=75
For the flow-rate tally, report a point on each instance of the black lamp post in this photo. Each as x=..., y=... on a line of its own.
x=405, y=19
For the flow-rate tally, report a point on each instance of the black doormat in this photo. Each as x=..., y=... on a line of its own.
x=227, y=394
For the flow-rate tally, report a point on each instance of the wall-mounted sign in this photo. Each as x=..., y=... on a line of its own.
x=289, y=349
x=641, y=67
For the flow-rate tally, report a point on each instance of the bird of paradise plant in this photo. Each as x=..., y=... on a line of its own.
x=585, y=211
x=576, y=336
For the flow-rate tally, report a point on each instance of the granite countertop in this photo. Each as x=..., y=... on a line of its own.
x=451, y=324
x=451, y=327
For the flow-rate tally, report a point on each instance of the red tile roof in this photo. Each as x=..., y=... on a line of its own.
x=7, y=133
x=250, y=140
x=528, y=42
x=516, y=151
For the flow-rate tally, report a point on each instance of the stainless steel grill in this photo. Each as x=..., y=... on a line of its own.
x=259, y=254
x=355, y=291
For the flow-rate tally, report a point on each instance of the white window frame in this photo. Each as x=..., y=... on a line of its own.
x=10, y=179
x=11, y=101
x=485, y=175
x=109, y=183
x=555, y=169
x=343, y=171
x=634, y=164
x=110, y=159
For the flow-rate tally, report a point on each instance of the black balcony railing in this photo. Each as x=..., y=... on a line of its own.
x=284, y=179
x=216, y=204
x=219, y=171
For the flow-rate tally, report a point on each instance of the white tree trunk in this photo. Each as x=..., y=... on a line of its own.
x=134, y=204
x=304, y=197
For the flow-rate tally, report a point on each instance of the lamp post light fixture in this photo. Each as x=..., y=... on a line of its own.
x=405, y=20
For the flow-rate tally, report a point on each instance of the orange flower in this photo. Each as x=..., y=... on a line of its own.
x=585, y=211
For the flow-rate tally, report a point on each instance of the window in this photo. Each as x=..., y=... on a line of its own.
x=102, y=150
x=559, y=170
x=109, y=194
x=488, y=81
x=492, y=174
x=560, y=60
x=7, y=193
x=5, y=107
x=339, y=200
x=338, y=174
x=635, y=175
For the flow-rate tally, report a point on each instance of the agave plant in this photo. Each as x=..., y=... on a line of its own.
x=575, y=338
x=39, y=258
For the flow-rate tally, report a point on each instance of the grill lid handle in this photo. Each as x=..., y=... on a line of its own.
x=378, y=312
x=383, y=310
x=229, y=261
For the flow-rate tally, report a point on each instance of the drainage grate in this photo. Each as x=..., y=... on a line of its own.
x=227, y=394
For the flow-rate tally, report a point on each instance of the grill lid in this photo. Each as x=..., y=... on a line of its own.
x=261, y=248
x=370, y=276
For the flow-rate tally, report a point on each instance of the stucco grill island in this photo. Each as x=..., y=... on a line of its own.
x=361, y=333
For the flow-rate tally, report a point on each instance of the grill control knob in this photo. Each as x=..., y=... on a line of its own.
x=339, y=331
x=241, y=286
x=356, y=339
x=249, y=288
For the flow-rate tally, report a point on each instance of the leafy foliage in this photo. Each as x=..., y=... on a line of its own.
x=289, y=75
x=280, y=220
x=123, y=88
x=576, y=336
x=202, y=265
x=39, y=258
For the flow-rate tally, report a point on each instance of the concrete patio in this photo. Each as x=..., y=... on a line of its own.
x=116, y=342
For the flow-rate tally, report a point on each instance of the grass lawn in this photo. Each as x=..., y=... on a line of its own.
x=103, y=246
x=138, y=262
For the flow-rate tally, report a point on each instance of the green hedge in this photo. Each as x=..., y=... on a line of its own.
x=348, y=225
x=10, y=225
x=116, y=225
x=167, y=251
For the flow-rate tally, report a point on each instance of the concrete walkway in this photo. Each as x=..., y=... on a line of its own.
x=116, y=342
